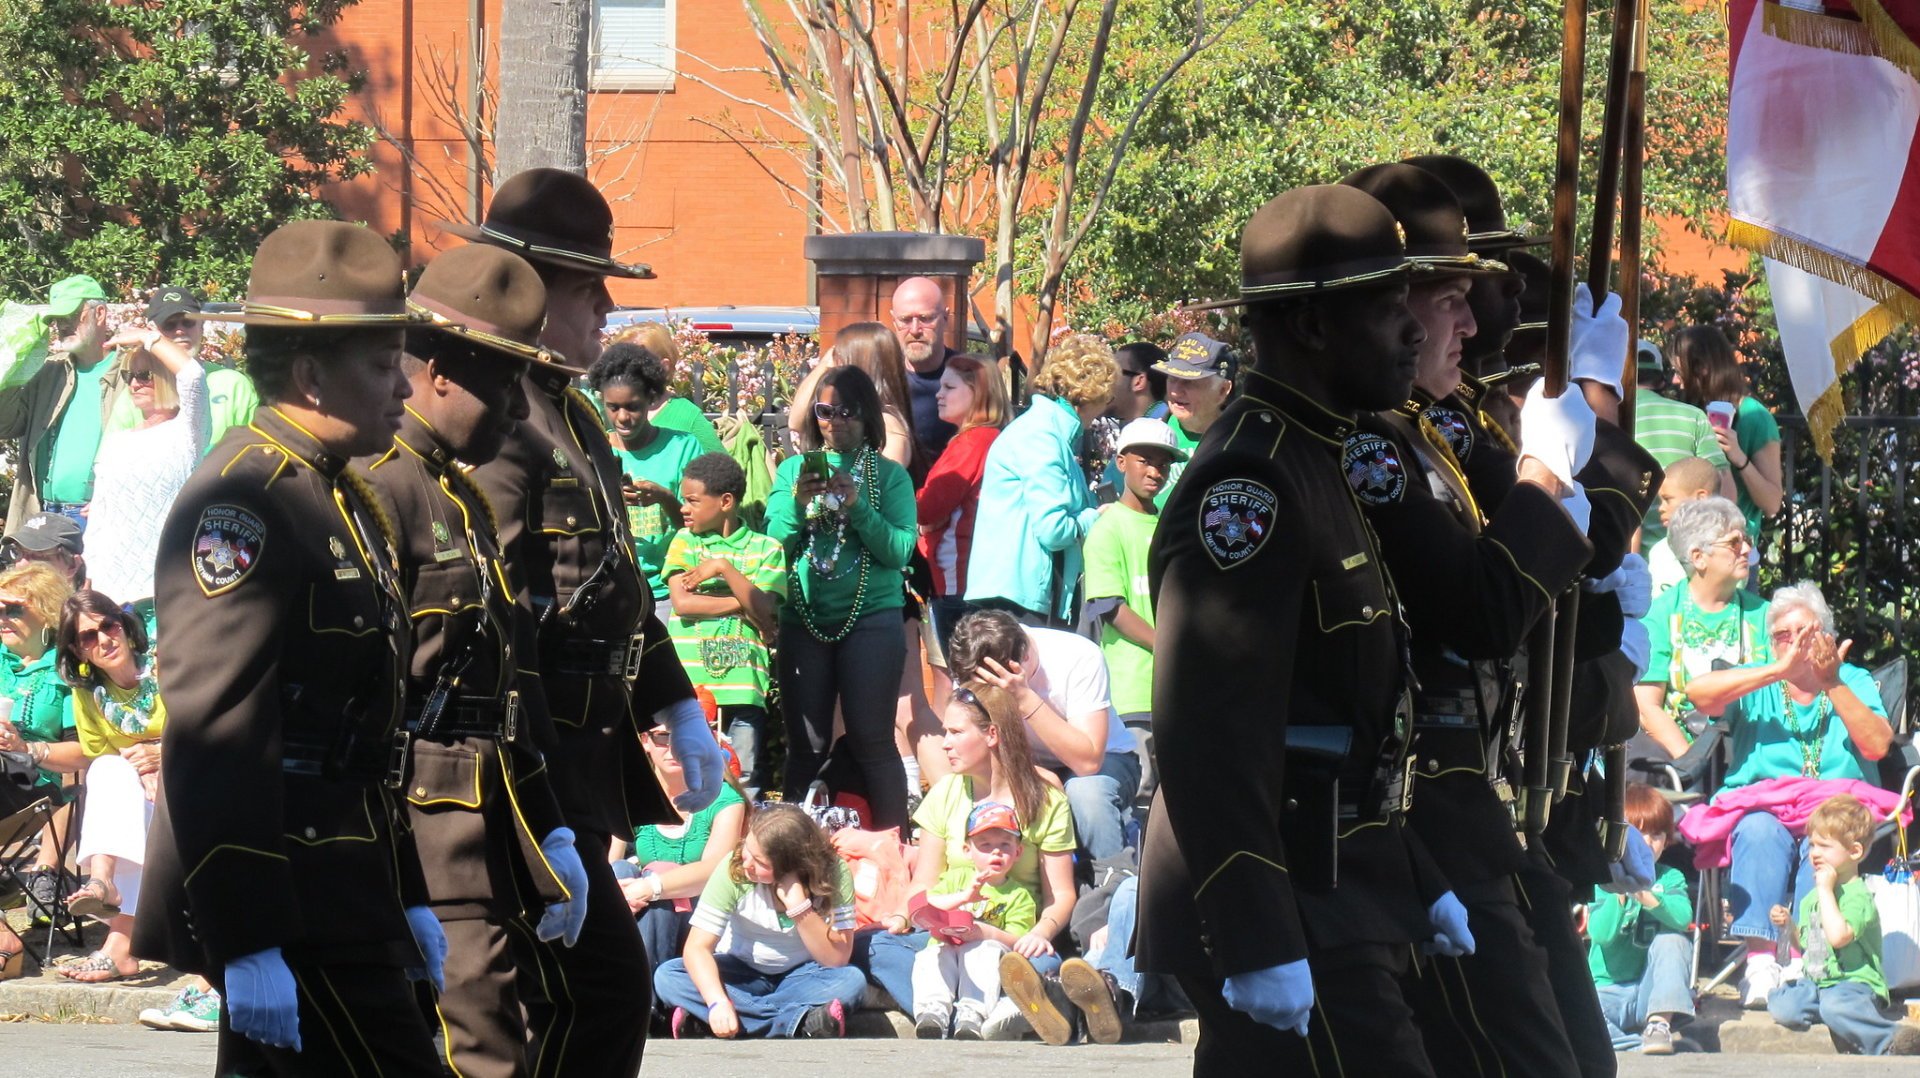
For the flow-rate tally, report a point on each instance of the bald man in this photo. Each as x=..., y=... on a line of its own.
x=1687, y=479
x=920, y=321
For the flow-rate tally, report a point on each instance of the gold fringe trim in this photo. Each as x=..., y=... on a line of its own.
x=1817, y=31
x=1823, y=415
x=1826, y=412
x=1893, y=43
x=1822, y=263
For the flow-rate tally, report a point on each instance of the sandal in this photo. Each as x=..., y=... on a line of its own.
x=13, y=964
x=91, y=901
x=97, y=962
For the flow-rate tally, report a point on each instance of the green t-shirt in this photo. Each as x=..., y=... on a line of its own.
x=1006, y=906
x=231, y=400
x=1859, y=960
x=726, y=654
x=943, y=815
x=1188, y=442
x=1116, y=560
x=650, y=846
x=1754, y=428
x=660, y=461
x=42, y=704
x=1671, y=430
x=1774, y=737
x=881, y=532
x=1622, y=929
x=683, y=415
x=1687, y=640
x=68, y=475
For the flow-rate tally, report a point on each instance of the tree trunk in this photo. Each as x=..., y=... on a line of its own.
x=545, y=53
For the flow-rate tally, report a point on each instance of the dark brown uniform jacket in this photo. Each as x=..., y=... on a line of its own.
x=478, y=813
x=286, y=649
x=1274, y=611
x=563, y=526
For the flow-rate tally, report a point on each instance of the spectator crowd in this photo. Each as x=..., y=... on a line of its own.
x=926, y=615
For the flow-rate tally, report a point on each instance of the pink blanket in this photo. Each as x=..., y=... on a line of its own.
x=1709, y=828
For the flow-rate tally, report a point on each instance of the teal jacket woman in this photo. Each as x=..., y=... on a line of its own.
x=1035, y=502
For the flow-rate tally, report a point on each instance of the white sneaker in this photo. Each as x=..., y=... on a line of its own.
x=1005, y=1022
x=1759, y=981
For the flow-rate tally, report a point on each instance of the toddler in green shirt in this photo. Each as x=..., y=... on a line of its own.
x=1641, y=957
x=1841, y=985
x=956, y=977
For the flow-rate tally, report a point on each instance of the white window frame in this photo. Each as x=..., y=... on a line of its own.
x=635, y=77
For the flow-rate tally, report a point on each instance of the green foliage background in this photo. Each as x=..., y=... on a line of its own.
x=157, y=141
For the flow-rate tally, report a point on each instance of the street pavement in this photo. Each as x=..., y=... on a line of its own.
x=52, y=1050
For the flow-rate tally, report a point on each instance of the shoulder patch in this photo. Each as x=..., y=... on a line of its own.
x=226, y=547
x=1236, y=518
x=1374, y=469
x=1454, y=428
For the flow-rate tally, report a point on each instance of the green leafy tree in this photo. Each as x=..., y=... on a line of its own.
x=148, y=141
x=1305, y=92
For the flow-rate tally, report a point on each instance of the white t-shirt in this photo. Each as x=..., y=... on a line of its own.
x=753, y=929
x=1073, y=679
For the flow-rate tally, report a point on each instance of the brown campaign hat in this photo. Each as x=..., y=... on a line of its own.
x=322, y=275
x=1426, y=207
x=1487, y=231
x=1316, y=239
x=492, y=298
x=553, y=216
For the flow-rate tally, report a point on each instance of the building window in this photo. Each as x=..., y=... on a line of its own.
x=633, y=44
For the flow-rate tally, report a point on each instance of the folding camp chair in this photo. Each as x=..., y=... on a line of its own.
x=17, y=834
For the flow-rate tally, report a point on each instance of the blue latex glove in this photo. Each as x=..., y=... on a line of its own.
x=1279, y=996
x=1634, y=871
x=262, y=1003
x=1637, y=645
x=1451, y=937
x=1631, y=584
x=432, y=940
x=563, y=919
x=693, y=745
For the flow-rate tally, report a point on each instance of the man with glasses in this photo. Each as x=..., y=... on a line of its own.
x=50, y=539
x=230, y=395
x=920, y=321
x=57, y=404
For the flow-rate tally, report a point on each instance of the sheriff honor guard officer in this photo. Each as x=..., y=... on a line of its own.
x=605, y=665
x=1279, y=882
x=279, y=863
x=500, y=863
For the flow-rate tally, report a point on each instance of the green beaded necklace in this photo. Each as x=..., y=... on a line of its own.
x=866, y=479
x=1812, y=738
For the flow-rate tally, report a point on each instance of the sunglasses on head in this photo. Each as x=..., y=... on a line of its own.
x=824, y=411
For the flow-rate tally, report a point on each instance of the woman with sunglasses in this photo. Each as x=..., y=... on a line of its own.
x=671, y=863
x=846, y=517
x=41, y=725
x=102, y=652
x=138, y=473
x=1711, y=618
x=1805, y=713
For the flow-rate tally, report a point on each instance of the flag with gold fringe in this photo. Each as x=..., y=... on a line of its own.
x=1823, y=178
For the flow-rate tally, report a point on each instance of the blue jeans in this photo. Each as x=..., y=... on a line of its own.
x=1114, y=958
x=746, y=726
x=888, y=959
x=1665, y=987
x=1102, y=803
x=769, y=1004
x=1849, y=1009
x=1766, y=861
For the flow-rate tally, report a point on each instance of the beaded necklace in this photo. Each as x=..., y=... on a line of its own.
x=865, y=478
x=1812, y=738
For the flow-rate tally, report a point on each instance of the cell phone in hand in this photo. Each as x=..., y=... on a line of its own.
x=815, y=464
x=1720, y=414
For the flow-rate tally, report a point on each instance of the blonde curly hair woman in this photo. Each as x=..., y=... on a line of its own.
x=1034, y=496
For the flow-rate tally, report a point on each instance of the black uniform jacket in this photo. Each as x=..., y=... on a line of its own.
x=1472, y=588
x=563, y=526
x=1274, y=610
x=478, y=813
x=286, y=648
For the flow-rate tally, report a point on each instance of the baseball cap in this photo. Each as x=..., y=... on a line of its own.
x=1647, y=357
x=1153, y=432
x=1196, y=355
x=66, y=296
x=171, y=300
x=42, y=532
x=992, y=816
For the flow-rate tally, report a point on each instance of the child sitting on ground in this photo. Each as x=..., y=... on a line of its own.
x=956, y=978
x=726, y=582
x=1841, y=984
x=1641, y=958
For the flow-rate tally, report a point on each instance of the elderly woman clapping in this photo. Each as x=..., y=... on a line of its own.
x=1806, y=713
x=1709, y=619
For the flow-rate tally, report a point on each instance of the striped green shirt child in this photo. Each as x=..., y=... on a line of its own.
x=726, y=653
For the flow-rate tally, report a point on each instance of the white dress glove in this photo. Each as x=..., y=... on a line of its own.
x=1557, y=431
x=1597, y=345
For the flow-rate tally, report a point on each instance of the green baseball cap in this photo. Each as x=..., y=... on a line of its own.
x=67, y=296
